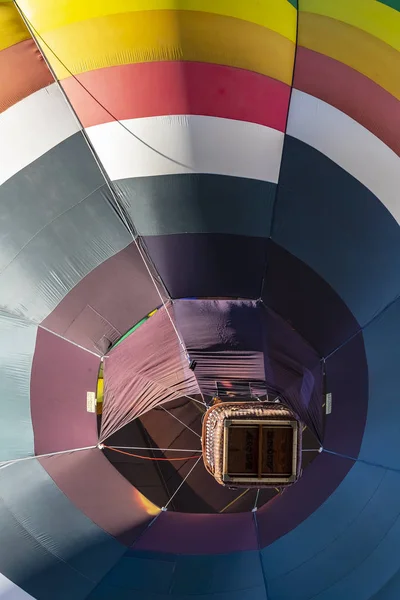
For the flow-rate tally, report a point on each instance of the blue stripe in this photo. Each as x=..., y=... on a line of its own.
x=381, y=443
x=340, y=229
x=153, y=576
x=347, y=548
x=48, y=547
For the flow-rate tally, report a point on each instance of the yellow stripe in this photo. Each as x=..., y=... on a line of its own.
x=353, y=47
x=12, y=28
x=169, y=35
x=46, y=15
x=370, y=16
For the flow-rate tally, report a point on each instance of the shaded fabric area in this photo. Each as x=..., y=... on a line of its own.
x=62, y=237
x=317, y=201
x=243, y=342
x=159, y=480
x=105, y=303
x=351, y=525
x=148, y=368
x=53, y=550
x=164, y=575
x=93, y=485
x=198, y=203
x=18, y=339
x=209, y=265
x=59, y=414
x=331, y=267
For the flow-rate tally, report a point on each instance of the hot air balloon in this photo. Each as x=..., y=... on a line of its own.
x=199, y=205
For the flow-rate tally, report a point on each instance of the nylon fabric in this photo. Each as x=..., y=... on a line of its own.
x=60, y=237
x=59, y=414
x=382, y=354
x=92, y=484
x=187, y=144
x=151, y=36
x=94, y=315
x=369, y=16
x=23, y=67
x=350, y=92
x=355, y=48
x=153, y=89
x=12, y=27
x=52, y=548
x=184, y=577
x=18, y=339
x=391, y=3
x=198, y=203
x=326, y=204
x=295, y=234
x=274, y=14
x=187, y=266
x=10, y=591
x=357, y=529
x=250, y=349
x=34, y=126
x=348, y=145
x=134, y=369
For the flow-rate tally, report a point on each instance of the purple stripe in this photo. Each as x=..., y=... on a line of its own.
x=90, y=481
x=306, y=301
x=347, y=381
x=61, y=376
x=106, y=303
x=243, y=341
x=179, y=533
x=209, y=265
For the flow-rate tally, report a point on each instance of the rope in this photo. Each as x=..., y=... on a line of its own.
x=361, y=460
x=7, y=463
x=179, y=487
x=35, y=34
x=150, y=457
x=154, y=449
x=181, y=422
x=256, y=500
x=235, y=500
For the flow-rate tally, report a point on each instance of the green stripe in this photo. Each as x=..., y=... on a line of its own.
x=391, y=3
x=132, y=329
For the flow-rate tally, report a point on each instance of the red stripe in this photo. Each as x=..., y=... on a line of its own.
x=174, y=88
x=351, y=92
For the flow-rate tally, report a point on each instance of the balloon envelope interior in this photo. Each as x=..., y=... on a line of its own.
x=198, y=199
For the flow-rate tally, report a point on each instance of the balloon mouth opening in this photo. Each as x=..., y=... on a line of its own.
x=163, y=449
x=159, y=435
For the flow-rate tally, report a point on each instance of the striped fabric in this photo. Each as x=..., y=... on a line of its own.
x=253, y=148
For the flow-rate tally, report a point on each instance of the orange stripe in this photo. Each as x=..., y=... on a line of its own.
x=22, y=72
x=353, y=47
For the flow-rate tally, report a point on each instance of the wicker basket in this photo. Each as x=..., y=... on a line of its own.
x=252, y=444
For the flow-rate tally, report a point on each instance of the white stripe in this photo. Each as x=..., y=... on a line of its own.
x=10, y=591
x=188, y=144
x=348, y=144
x=31, y=127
